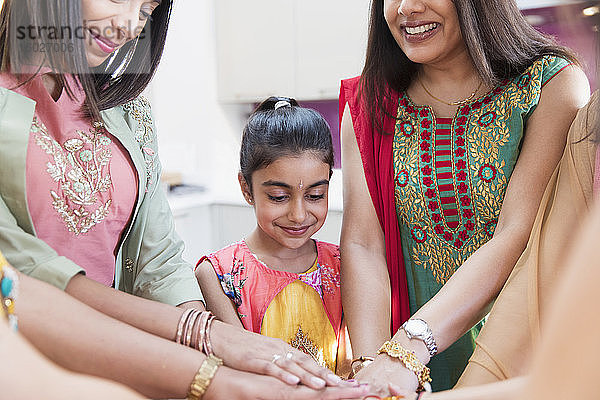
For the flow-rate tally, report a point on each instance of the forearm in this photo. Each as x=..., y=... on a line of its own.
x=147, y=315
x=51, y=382
x=466, y=297
x=366, y=299
x=83, y=340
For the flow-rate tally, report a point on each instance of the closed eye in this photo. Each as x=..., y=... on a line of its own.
x=277, y=199
x=315, y=197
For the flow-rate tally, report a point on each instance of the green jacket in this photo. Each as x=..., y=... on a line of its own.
x=149, y=262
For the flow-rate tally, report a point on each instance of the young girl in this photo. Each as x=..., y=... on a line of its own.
x=278, y=281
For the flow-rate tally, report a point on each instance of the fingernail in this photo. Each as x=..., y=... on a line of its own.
x=317, y=381
x=292, y=379
x=334, y=378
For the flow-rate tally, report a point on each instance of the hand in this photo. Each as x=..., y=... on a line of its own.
x=396, y=391
x=386, y=372
x=232, y=384
x=247, y=351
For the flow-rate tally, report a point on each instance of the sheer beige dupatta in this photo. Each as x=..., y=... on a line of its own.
x=512, y=331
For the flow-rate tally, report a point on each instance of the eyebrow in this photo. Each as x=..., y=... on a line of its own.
x=287, y=186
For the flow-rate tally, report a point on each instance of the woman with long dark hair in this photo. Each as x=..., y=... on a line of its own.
x=80, y=202
x=449, y=138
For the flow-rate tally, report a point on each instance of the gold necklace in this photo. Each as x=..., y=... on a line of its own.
x=454, y=103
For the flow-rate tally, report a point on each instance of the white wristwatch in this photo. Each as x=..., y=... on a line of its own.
x=418, y=329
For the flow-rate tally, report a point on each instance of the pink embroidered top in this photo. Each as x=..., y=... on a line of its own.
x=81, y=184
x=304, y=310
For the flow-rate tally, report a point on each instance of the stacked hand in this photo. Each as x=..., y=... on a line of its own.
x=387, y=376
x=247, y=351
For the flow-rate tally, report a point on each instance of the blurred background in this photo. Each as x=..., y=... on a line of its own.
x=224, y=56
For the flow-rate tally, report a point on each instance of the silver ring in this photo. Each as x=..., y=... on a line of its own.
x=289, y=355
x=275, y=358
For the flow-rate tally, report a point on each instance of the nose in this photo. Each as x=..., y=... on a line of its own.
x=297, y=211
x=409, y=7
x=127, y=24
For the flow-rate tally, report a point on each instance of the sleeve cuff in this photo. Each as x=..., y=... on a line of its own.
x=57, y=272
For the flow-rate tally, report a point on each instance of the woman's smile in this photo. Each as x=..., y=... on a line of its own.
x=106, y=45
x=418, y=31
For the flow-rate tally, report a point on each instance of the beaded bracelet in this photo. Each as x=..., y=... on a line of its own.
x=9, y=287
x=202, y=379
x=410, y=361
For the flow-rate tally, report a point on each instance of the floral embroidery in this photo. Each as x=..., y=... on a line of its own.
x=450, y=183
x=80, y=166
x=487, y=119
x=406, y=129
x=313, y=279
x=402, y=178
x=141, y=112
x=330, y=278
x=487, y=172
x=232, y=283
x=303, y=343
x=419, y=234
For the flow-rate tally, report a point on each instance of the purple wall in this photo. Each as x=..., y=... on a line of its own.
x=329, y=110
x=571, y=28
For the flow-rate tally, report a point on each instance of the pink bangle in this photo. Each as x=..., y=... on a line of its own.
x=190, y=325
x=207, y=345
x=182, y=321
x=202, y=330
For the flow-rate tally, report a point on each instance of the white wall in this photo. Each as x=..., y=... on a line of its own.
x=197, y=136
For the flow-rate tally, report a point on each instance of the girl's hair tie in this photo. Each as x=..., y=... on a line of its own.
x=281, y=103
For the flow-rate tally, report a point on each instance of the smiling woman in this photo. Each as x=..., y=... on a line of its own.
x=453, y=124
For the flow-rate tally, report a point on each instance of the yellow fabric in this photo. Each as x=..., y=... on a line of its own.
x=297, y=316
x=505, y=344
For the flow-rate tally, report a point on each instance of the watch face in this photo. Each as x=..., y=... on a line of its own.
x=416, y=327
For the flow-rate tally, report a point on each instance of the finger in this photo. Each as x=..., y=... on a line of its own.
x=294, y=364
x=398, y=391
x=272, y=369
x=317, y=371
x=328, y=393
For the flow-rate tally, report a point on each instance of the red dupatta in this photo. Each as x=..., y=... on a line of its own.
x=376, y=153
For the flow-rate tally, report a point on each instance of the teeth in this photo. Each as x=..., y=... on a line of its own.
x=420, y=29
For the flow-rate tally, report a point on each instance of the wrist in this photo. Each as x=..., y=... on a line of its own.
x=410, y=361
x=415, y=345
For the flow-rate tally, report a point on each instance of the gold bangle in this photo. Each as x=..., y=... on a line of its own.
x=363, y=360
x=203, y=377
x=410, y=361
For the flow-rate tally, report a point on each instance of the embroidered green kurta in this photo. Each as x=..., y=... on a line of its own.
x=451, y=175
